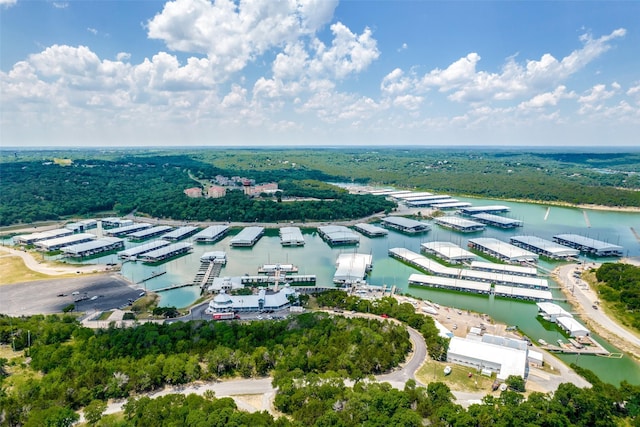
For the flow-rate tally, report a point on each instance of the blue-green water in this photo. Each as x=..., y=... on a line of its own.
x=318, y=258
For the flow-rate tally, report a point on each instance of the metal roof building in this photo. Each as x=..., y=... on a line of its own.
x=247, y=237
x=427, y=200
x=150, y=232
x=503, y=360
x=338, y=235
x=459, y=224
x=586, y=244
x=291, y=236
x=420, y=261
x=166, y=252
x=113, y=221
x=94, y=247
x=180, y=233
x=61, y=242
x=572, y=327
x=370, y=230
x=502, y=250
x=132, y=253
x=453, y=204
x=79, y=226
x=406, y=225
x=219, y=257
x=472, y=210
x=516, y=270
x=551, y=312
x=544, y=247
x=447, y=251
x=522, y=293
x=28, y=239
x=497, y=220
x=449, y=283
x=262, y=301
x=412, y=195
x=127, y=229
x=352, y=268
x=211, y=233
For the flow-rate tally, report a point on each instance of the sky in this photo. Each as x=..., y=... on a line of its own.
x=319, y=73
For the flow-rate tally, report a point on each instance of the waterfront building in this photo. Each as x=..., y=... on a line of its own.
x=459, y=224
x=517, y=292
x=166, y=252
x=453, y=204
x=352, y=268
x=30, y=239
x=211, y=233
x=516, y=270
x=113, y=222
x=338, y=235
x=180, y=233
x=450, y=252
x=412, y=195
x=405, y=225
x=127, y=229
x=370, y=230
x=148, y=233
x=544, y=247
x=427, y=200
x=263, y=301
x=61, y=242
x=93, y=247
x=497, y=220
x=81, y=226
x=218, y=257
x=225, y=284
x=132, y=253
x=551, y=312
x=502, y=250
x=450, y=284
x=291, y=236
x=247, y=237
x=501, y=357
x=572, y=327
x=490, y=209
x=588, y=245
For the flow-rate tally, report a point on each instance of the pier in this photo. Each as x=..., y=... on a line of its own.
x=207, y=272
x=579, y=345
x=170, y=287
x=153, y=275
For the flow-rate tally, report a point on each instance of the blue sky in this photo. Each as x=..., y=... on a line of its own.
x=319, y=72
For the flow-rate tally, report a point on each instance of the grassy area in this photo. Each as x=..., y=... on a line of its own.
x=105, y=315
x=458, y=379
x=18, y=370
x=145, y=305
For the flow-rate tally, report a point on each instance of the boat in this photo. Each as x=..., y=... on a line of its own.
x=447, y=370
x=543, y=342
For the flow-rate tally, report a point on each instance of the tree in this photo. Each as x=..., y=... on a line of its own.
x=515, y=383
x=94, y=410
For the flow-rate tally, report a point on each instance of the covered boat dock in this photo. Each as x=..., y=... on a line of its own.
x=544, y=247
x=586, y=244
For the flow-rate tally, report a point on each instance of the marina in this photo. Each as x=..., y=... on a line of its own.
x=211, y=234
x=247, y=237
x=180, y=233
x=544, y=247
x=370, y=230
x=291, y=236
x=338, y=235
x=588, y=245
x=448, y=252
x=352, y=268
x=405, y=225
x=501, y=250
x=516, y=270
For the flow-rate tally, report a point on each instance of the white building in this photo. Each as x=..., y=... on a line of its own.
x=501, y=359
x=572, y=327
x=224, y=302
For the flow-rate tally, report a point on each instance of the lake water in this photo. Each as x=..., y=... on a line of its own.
x=318, y=258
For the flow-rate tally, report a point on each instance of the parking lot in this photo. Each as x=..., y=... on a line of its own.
x=96, y=292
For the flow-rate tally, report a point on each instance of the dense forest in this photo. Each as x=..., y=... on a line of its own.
x=151, y=182
x=619, y=284
x=309, y=356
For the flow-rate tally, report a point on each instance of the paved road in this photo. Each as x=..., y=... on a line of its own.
x=586, y=298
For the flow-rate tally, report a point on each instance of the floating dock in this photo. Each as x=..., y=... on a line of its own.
x=405, y=225
x=291, y=236
x=112, y=222
x=497, y=220
x=491, y=209
x=588, y=245
x=427, y=200
x=516, y=270
x=370, y=230
x=502, y=250
x=352, y=268
x=93, y=247
x=211, y=234
x=544, y=247
x=180, y=233
x=29, y=239
x=338, y=235
x=459, y=224
x=453, y=204
x=127, y=229
x=166, y=252
x=248, y=237
x=447, y=251
x=132, y=253
x=61, y=242
x=150, y=232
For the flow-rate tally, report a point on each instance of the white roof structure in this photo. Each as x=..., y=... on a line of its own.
x=263, y=301
x=449, y=283
x=352, y=268
x=127, y=229
x=225, y=284
x=140, y=249
x=522, y=293
x=407, y=225
x=166, y=252
x=517, y=270
x=452, y=204
x=338, y=235
x=428, y=200
x=505, y=361
x=412, y=195
x=211, y=233
x=497, y=220
x=370, y=229
x=247, y=237
x=93, y=247
x=180, y=233
x=82, y=225
x=572, y=327
x=27, y=239
x=459, y=224
x=586, y=244
x=216, y=256
x=150, y=232
x=448, y=251
x=502, y=250
x=442, y=330
x=61, y=242
x=552, y=311
x=291, y=236
x=544, y=247
x=484, y=209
